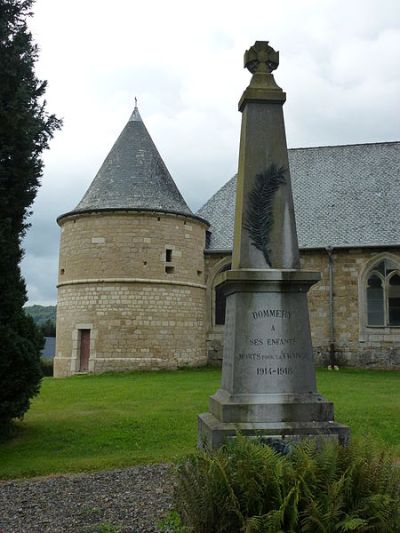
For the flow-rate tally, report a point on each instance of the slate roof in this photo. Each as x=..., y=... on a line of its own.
x=344, y=196
x=133, y=176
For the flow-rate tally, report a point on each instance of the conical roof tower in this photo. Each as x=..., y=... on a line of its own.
x=133, y=176
x=131, y=283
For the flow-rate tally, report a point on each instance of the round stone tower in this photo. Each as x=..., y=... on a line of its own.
x=131, y=291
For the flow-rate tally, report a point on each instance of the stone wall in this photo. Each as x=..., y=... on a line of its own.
x=355, y=343
x=132, y=326
x=131, y=245
x=136, y=281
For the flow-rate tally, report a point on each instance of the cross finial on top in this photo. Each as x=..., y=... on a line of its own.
x=135, y=101
x=261, y=58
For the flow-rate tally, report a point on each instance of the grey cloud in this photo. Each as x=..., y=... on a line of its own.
x=41, y=277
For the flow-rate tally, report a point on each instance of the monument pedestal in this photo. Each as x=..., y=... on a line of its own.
x=268, y=377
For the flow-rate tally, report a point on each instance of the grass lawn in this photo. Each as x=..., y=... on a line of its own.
x=85, y=423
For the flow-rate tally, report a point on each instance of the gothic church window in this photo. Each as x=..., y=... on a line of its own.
x=383, y=295
x=220, y=301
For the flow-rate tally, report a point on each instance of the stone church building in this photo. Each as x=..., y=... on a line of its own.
x=136, y=286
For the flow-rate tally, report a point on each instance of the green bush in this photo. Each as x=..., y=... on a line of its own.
x=46, y=365
x=20, y=373
x=248, y=487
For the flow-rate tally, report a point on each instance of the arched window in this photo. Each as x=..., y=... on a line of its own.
x=383, y=295
x=220, y=301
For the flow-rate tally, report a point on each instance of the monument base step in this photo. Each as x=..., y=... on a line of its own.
x=213, y=433
x=270, y=408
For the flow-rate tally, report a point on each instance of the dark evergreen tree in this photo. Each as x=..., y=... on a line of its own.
x=48, y=328
x=25, y=131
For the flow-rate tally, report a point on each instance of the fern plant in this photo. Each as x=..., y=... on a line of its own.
x=248, y=487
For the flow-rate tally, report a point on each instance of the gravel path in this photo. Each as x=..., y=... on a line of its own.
x=124, y=501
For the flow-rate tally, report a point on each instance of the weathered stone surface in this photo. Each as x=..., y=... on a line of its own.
x=268, y=376
x=262, y=147
x=268, y=379
x=213, y=433
x=113, y=281
x=268, y=346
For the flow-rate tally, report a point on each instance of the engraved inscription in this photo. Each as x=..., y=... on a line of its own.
x=265, y=357
x=293, y=355
x=270, y=351
x=271, y=313
x=280, y=371
x=271, y=354
x=272, y=342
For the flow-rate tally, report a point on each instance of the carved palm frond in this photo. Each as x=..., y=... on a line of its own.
x=258, y=215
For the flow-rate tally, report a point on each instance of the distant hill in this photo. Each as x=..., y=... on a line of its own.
x=41, y=313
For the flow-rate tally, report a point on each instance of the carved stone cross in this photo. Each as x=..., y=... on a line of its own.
x=261, y=58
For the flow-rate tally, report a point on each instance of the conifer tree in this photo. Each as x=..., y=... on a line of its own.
x=25, y=131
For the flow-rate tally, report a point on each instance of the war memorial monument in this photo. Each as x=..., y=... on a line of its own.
x=268, y=376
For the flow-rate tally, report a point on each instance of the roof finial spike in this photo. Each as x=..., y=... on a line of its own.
x=135, y=117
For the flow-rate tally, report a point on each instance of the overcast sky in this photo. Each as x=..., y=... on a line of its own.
x=339, y=65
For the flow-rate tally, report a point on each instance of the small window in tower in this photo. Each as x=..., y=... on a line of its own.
x=62, y=271
x=169, y=269
x=168, y=255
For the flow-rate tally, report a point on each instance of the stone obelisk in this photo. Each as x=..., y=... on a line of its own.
x=268, y=376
